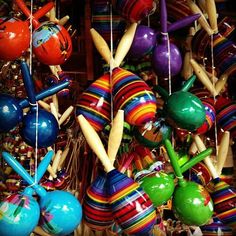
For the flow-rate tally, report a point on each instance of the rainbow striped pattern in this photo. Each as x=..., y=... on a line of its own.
x=131, y=207
x=101, y=21
x=97, y=212
x=215, y=228
x=94, y=103
x=225, y=117
x=224, y=198
x=134, y=10
x=134, y=96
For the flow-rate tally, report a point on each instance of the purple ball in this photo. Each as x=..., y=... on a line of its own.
x=160, y=59
x=143, y=43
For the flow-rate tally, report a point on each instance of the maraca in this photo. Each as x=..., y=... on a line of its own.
x=124, y=194
x=17, y=209
x=96, y=207
x=14, y=38
x=223, y=195
x=134, y=11
x=182, y=108
x=46, y=36
x=145, y=37
x=167, y=60
x=130, y=92
x=11, y=109
x=44, y=121
x=61, y=212
x=191, y=203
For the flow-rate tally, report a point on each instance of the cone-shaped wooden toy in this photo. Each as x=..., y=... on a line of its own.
x=124, y=194
x=130, y=92
x=97, y=212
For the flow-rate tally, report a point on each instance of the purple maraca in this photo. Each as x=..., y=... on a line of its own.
x=38, y=124
x=166, y=54
x=61, y=212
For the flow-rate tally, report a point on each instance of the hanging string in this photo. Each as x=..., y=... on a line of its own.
x=213, y=82
x=37, y=110
x=111, y=60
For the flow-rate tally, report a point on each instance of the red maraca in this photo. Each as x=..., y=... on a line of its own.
x=191, y=203
x=15, y=35
x=124, y=194
x=223, y=195
x=46, y=36
x=167, y=60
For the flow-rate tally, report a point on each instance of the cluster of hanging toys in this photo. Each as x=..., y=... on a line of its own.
x=142, y=150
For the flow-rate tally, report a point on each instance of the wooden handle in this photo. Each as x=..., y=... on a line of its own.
x=201, y=147
x=202, y=76
x=202, y=20
x=94, y=142
x=220, y=84
x=63, y=20
x=65, y=115
x=212, y=15
x=55, y=164
x=101, y=46
x=125, y=44
x=115, y=135
x=44, y=105
x=53, y=110
x=222, y=152
x=38, y=230
x=63, y=157
x=187, y=70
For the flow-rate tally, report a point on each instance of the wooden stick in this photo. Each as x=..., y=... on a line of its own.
x=115, y=136
x=202, y=76
x=222, y=152
x=201, y=147
x=44, y=105
x=94, y=142
x=65, y=115
x=101, y=46
x=220, y=84
x=212, y=15
x=125, y=44
x=53, y=110
x=38, y=230
x=63, y=20
x=63, y=157
x=202, y=20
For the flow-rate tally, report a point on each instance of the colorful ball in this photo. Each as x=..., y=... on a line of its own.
x=192, y=204
x=14, y=38
x=61, y=213
x=46, y=125
x=134, y=96
x=11, y=113
x=19, y=215
x=134, y=10
x=143, y=43
x=97, y=212
x=124, y=197
x=184, y=110
x=51, y=35
x=95, y=103
x=159, y=186
x=153, y=137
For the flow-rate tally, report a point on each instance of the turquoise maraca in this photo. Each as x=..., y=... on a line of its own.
x=183, y=109
x=61, y=212
x=191, y=202
x=20, y=212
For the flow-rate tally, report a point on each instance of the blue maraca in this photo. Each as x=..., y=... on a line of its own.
x=20, y=212
x=11, y=109
x=61, y=212
x=38, y=124
x=164, y=55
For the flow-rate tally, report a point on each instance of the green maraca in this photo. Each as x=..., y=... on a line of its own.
x=191, y=202
x=160, y=186
x=183, y=109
